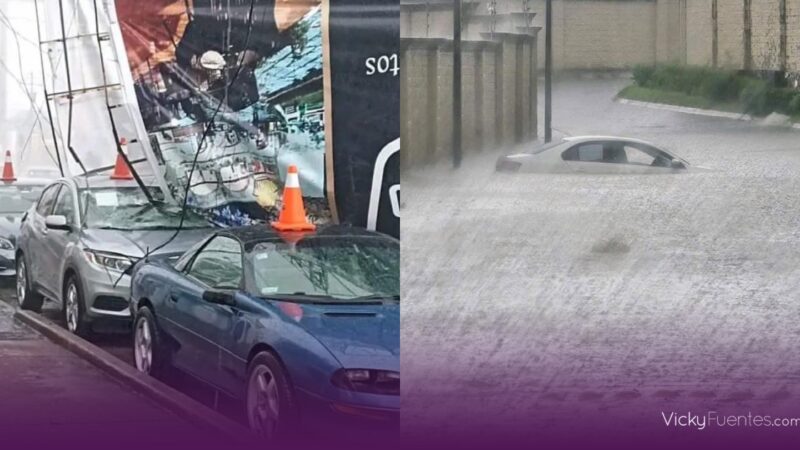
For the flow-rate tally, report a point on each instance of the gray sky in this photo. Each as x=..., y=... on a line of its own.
x=20, y=76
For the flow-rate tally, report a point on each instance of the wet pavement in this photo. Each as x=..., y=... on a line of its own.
x=608, y=297
x=116, y=338
x=52, y=398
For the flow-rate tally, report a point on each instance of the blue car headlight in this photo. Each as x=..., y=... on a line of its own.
x=109, y=261
x=383, y=382
x=5, y=244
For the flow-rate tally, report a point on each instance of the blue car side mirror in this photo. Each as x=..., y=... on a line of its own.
x=219, y=297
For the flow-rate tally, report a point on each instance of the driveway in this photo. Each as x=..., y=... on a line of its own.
x=589, y=300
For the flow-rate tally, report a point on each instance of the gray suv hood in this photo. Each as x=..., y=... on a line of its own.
x=135, y=243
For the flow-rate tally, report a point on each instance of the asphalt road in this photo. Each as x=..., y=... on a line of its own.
x=602, y=298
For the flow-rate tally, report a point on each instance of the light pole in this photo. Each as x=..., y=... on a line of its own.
x=456, y=83
x=548, y=72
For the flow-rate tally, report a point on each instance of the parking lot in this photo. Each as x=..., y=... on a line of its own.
x=628, y=295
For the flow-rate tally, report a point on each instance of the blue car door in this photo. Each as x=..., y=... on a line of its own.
x=200, y=326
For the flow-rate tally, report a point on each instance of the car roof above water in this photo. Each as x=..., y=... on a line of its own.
x=578, y=139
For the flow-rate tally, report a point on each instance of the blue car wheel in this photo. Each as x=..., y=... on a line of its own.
x=270, y=402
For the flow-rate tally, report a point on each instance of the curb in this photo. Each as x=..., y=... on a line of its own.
x=687, y=110
x=173, y=400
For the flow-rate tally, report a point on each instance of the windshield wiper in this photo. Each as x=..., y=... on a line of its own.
x=322, y=299
x=384, y=297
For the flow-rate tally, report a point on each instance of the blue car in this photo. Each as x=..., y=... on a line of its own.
x=293, y=325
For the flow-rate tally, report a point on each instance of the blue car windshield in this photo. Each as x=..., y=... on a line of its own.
x=329, y=268
x=128, y=209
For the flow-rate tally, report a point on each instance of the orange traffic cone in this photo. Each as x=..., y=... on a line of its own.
x=8, y=169
x=121, y=170
x=293, y=213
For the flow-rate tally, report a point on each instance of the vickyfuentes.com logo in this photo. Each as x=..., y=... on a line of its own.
x=712, y=418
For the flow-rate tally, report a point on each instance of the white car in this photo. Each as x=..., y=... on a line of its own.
x=594, y=154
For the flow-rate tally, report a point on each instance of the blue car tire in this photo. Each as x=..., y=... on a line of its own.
x=270, y=402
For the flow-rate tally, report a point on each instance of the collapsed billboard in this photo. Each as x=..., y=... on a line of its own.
x=233, y=92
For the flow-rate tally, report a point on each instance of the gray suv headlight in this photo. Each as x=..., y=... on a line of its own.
x=5, y=244
x=110, y=261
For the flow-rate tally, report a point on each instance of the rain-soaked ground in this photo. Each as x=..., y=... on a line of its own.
x=49, y=397
x=116, y=339
x=605, y=296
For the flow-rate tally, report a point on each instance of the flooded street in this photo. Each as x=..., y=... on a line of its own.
x=625, y=294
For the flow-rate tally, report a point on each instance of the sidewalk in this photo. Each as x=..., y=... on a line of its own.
x=51, y=398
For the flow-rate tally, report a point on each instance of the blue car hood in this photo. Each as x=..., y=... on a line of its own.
x=359, y=336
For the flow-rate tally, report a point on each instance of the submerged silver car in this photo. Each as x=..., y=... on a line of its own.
x=77, y=241
x=597, y=155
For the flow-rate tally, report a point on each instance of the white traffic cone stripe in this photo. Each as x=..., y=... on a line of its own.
x=292, y=181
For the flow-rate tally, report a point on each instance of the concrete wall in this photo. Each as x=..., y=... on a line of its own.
x=499, y=95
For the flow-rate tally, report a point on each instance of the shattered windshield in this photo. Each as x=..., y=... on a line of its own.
x=16, y=199
x=328, y=269
x=129, y=209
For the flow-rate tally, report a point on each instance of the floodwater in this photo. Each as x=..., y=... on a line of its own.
x=625, y=294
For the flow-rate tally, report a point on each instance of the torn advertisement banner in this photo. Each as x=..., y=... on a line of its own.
x=291, y=82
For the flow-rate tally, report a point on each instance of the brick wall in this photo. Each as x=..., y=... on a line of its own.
x=766, y=34
x=699, y=32
x=730, y=33
x=793, y=35
x=488, y=108
x=670, y=31
x=617, y=34
x=603, y=34
x=443, y=98
x=498, y=96
x=414, y=103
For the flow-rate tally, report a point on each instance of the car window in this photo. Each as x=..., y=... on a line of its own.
x=638, y=157
x=183, y=261
x=65, y=205
x=588, y=152
x=48, y=198
x=649, y=155
x=15, y=199
x=219, y=264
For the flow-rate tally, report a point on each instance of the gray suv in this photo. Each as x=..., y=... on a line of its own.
x=77, y=241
